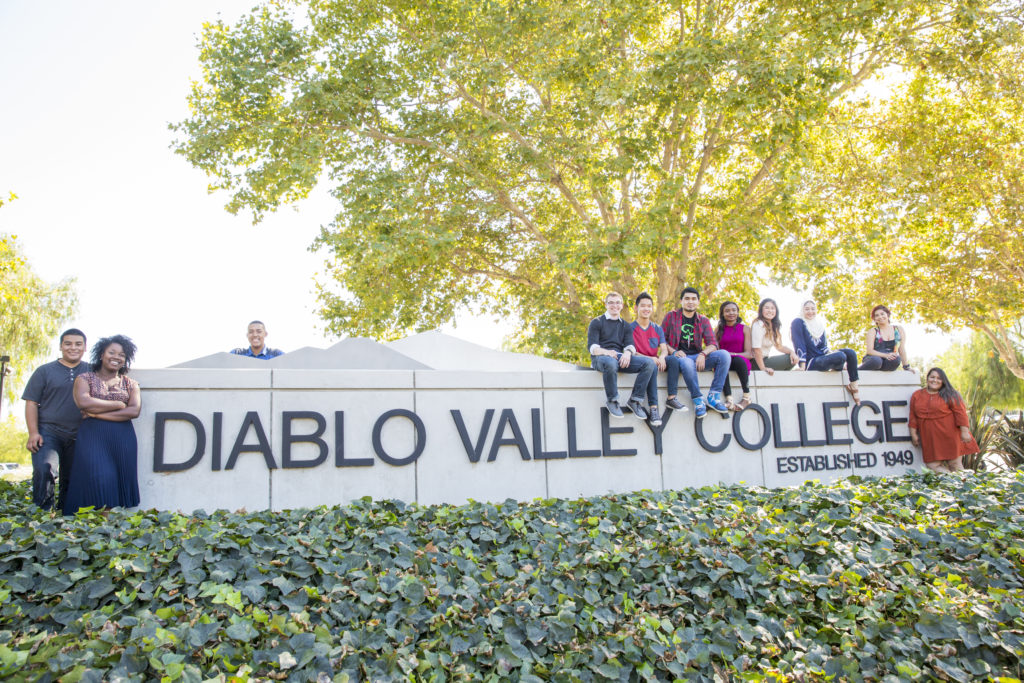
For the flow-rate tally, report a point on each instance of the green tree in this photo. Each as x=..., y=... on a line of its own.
x=525, y=158
x=31, y=312
x=933, y=197
x=12, y=442
x=9, y=259
x=974, y=366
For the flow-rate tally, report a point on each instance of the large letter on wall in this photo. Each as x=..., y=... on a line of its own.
x=287, y=438
x=252, y=419
x=158, y=442
x=419, y=443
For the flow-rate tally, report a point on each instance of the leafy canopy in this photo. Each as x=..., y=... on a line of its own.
x=932, y=194
x=524, y=158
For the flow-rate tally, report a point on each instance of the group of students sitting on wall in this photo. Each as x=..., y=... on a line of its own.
x=687, y=342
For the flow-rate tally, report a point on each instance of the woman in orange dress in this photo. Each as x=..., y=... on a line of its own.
x=939, y=425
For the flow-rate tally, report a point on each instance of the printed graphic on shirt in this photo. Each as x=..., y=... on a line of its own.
x=686, y=335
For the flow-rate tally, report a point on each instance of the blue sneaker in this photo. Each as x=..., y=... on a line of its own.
x=716, y=403
x=699, y=409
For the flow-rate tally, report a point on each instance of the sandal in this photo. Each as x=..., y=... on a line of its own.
x=741, y=406
x=854, y=393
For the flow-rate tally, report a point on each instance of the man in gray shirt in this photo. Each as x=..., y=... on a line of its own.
x=53, y=418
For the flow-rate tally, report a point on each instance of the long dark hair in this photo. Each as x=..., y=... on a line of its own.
x=947, y=393
x=721, y=318
x=127, y=345
x=773, y=326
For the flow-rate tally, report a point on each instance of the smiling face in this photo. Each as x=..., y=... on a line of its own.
x=730, y=314
x=934, y=382
x=613, y=305
x=256, y=334
x=880, y=317
x=72, y=347
x=113, y=358
x=768, y=311
x=644, y=309
x=810, y=310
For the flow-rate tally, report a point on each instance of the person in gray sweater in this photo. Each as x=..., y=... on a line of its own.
x=610, y=342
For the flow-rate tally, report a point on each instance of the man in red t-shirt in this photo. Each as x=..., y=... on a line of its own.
x=649, y=340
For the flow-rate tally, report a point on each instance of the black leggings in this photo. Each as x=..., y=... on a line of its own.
x=740, y=368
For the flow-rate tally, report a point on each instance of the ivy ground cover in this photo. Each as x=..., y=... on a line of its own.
x=891, y=579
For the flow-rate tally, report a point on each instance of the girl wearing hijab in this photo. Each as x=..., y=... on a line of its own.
x=811, y=345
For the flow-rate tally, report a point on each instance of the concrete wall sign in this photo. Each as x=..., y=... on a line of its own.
x=264, y=437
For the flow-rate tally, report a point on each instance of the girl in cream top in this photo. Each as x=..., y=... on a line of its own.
x=765, y=335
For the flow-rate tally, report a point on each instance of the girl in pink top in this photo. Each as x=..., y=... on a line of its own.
x=734, y=337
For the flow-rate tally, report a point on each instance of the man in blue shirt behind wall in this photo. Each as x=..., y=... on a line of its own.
x=257, y=334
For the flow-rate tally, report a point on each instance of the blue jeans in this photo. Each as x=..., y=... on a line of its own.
x=836, y=361
x=51, y=465
x=717, y=361
x=644, y=368
x=672, y=370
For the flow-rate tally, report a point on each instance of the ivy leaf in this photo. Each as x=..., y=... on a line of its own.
x=413, y=591
x=242, y=631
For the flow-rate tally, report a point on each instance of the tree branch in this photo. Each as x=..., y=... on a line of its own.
x=555, y=175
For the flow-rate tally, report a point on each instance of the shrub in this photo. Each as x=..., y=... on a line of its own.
x=912, y=577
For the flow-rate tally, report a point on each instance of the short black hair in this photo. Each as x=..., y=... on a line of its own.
x=257, y=322
x=72, y=331
x=643, y=295
x=687, y=290
x=127, y=345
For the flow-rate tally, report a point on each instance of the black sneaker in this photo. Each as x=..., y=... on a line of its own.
x=675, y=404
x=613, y=408
x=653, y=417
x=638, y=409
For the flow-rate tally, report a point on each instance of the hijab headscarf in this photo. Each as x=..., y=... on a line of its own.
x=815, y=325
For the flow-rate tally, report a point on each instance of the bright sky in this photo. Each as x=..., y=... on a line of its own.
x=88, y=90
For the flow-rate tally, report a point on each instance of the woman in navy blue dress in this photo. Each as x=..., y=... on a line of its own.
x=104, y=471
